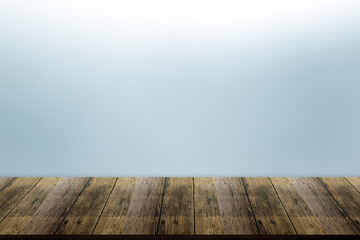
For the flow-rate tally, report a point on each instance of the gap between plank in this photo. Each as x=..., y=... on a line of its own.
x=324, y=185
x=352, y=184
x=21, y=199
x=8, y=184
x=283, y=206
x=92, y=232
x=252, y=210
x=82, y=190
x=161, y=205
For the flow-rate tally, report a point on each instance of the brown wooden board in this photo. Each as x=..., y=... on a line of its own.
x=235, y=210
x=5, y=181
x=207, y=213
x=144, y=209
x=113, y=218
x=346, y=195
x=305, y=222
x=52, y=211
x=177, y=215
x=270, y=215
x=328, y=212
x=13, y=193
x=85, y=213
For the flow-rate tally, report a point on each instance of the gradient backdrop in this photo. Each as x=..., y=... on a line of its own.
x=179, y=88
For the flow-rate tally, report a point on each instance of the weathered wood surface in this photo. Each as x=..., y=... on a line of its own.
x=177, y=216
x=207, y=212
x=13, y=193
x=48, y=217
x=331, y=216
x=5, y=181
x=113, y=218
x=235, y=210
x=144, y=209
x=346, y=196
x=179, y=206
x=83, y=216
x=270, y=215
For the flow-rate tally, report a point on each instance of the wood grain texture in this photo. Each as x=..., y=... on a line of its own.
x=270, y=215
x=86, y=211
x=207, y=212
x=355, y=181
x=177, y=216
x=346, y=195
x=300, y=214
x=54, y=208
x=180, y=206
x=14, y=192
x=113, y=218
x=330, y=215
x=144, y=209
x=235, y=210
x=5, y=181
x=22, y=213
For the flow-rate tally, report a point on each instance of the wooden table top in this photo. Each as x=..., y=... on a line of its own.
x=179, y=206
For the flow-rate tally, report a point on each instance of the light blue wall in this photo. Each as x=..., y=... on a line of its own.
x=180, y=88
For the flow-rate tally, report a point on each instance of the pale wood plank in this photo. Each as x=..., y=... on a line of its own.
x=207, y=213
x=87, y=209
x=113, y=218
x=144, y=209
x=355, y=181
x=22, y=213
x=330, y=215
x=4, y=181
x=346, y=195
x=14, y=192
x=234, y=206
x=177, y=216
x=300, y=214
x=270, y=215
x=54, y=208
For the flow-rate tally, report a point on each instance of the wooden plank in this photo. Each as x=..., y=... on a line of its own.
x=355, y=181
x=177, y=216
x=330, y=215
x=86, y=211
x=235, y=210
x=14, y=192
x=270, y=215
x=22, y=213
x=54, y=208
x=207, y=213
x=113, y=218
x=144, y=209
x=346, y=195
x=300, y=214
x=4, y=181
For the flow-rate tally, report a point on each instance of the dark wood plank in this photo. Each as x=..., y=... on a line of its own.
x=21, y=214
x=144, y=209
x=177, y=216
x=234, y=206
x=86, y=211
x=54, y=208
x=207, y=213
x=300, y=214
x=355, y=181
x=14, y=192
x=113, y=218
x=346, y=195
x=330, y=215
x=5, y=181
x=270, y=215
